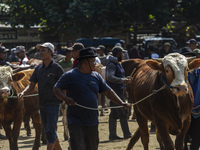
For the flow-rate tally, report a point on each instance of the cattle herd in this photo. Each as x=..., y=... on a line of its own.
x=169, y=109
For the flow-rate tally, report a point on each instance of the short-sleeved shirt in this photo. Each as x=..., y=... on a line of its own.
x=46, y=77
x=83, y=89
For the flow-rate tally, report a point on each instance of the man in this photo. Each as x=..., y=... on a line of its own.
x=101, y=54
x=192, y=44
x=194, y=79
x=75, y=53
x=46, y=75
x=13, y=57
x=82, y=85
x=67, y=62
x=20, y=52
x=115, y=78
x=166, y=50
x=3, y=56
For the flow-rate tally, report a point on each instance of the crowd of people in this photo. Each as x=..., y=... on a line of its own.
x=74, y=80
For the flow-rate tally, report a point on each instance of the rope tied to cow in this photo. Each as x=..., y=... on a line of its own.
x=154, y=92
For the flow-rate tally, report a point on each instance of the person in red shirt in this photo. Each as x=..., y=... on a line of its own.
x=20, y=52
x=75, y=52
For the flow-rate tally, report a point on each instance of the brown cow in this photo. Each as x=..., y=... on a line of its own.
x=13, y=110
x=169, y=109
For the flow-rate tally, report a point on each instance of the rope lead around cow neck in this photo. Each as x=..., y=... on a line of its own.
x=154, y=92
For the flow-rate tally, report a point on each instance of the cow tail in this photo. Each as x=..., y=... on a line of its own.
x=134, y=139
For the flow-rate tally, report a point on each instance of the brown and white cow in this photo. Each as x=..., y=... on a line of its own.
x=169, y=109
x=13, y=110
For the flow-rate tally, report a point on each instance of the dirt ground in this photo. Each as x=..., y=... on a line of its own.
x=26, y=143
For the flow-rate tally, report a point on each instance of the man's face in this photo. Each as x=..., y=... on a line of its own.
x=100, y=52
x=92, y=63
x=45, y=53
x=166, y=48
x=3, y=55
x=193, y=46
x=75, y=54
x=120, y=56
x=21, y=54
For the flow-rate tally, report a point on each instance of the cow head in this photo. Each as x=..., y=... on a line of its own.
x=6, y=77
x=175, y=69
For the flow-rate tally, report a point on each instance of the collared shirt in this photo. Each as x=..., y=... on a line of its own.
x=65, y=64
x=194, y=79
x=46, y=77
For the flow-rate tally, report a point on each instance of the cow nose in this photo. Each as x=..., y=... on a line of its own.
x=180, y=90
x=4, y=93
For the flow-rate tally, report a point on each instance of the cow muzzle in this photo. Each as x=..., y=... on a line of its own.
x=180, y=90
x=4, y=93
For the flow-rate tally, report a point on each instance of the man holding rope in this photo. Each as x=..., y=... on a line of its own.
x=115, y=78
x=46, y=75
x=82, y=85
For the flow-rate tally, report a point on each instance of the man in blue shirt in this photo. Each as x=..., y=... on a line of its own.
x=82, y=85
x=194, y=79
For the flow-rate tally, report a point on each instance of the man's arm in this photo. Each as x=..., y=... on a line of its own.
x=115, y=98
x=62, y=96
x=28, y=89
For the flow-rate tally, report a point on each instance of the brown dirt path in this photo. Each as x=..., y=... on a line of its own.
x=26, y=143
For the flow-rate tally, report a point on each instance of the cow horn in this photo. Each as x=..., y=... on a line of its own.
x=189, y=59
x=158, y=59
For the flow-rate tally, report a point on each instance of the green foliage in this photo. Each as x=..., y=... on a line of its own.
x=89, y=18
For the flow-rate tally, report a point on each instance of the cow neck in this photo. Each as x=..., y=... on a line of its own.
x=2, y=107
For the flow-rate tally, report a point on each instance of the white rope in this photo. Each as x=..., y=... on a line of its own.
x=154, y=92
x=26, y=95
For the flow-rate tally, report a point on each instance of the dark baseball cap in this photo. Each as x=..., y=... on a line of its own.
x=192, y=41
x=3, y=49
x=77, y=46
x=101, y=47
x=117, y=49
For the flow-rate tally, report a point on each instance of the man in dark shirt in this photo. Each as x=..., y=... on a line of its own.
x=3, y=55
x=46, y=75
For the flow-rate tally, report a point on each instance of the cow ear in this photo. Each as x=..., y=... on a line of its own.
x=154, y=65
x=18, y=76
x=194, y=64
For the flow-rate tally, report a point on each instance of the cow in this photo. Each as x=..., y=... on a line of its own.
x=14, y=110
x=170, y=108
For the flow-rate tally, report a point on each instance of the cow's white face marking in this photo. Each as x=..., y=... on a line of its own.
x=5, y=81
x=178, y=63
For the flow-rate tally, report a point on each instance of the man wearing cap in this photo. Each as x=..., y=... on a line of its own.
x=20, y=52
x=194, y=80
x=100, y=51
x=192, y=44
x=67, y=62
x=46, y=75
x=115, y=78
x=82, y=85
x=3, y=56
x=75, y=52
x=166, y=50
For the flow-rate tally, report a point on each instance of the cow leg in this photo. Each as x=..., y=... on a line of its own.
x=164, y=135
x=16, y=131
x=27, y=125
x=38, y=130
x=8, y=131
x=162, y=147
x=181, y=137
x=144, y=131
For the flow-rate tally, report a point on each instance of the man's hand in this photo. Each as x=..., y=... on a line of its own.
x=20, y=95
x=127, y=81
x=126, y=105
x=70, y=102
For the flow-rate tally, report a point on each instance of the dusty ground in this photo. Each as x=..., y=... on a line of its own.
x=26, y=143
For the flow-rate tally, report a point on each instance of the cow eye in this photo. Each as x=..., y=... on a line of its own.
x=166, y=71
